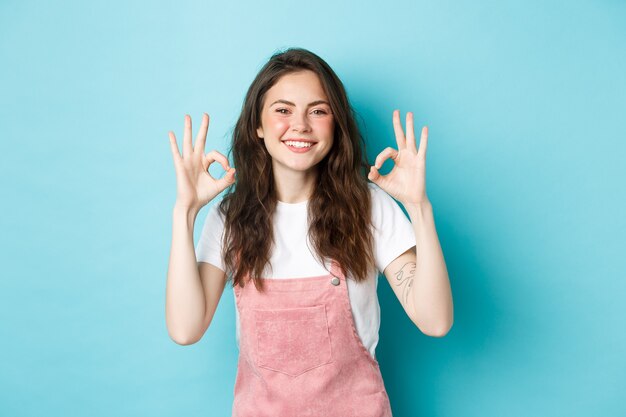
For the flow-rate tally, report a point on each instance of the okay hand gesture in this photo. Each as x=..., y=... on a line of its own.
x=195, y=187
x=407, y=180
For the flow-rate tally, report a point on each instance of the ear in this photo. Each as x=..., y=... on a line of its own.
x=259, y=132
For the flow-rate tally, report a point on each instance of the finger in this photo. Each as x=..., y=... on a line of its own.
x=384, y=155
x=410, y=134
x=397, y=128
x=216, y=156
x=187, y=148
x=373, y=175
x=423, y=142
x=201, y=138
x=378, y=179
x=227, y=179
x=174, y=149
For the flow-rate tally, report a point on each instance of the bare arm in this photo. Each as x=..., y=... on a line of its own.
x=193, y=289
x=431, y=290
x=420, y=280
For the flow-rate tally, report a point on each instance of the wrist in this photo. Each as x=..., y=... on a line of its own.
x=189, y=212
x=418, y=207
x=419, y=211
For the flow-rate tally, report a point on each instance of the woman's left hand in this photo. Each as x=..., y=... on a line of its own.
x=407, y=180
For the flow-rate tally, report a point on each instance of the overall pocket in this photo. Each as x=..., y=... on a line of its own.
x=293, y=340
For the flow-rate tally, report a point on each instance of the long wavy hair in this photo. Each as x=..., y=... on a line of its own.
x=339, y=210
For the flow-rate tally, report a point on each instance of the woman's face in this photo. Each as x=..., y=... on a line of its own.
x=296, y=123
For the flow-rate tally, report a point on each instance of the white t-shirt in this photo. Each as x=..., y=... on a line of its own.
x=291, y=256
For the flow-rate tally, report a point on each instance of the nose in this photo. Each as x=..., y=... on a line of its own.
x=300, y=123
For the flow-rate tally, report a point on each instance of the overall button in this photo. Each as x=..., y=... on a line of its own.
x=334, y=281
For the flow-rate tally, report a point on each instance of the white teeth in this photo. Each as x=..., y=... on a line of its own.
x=297, y=144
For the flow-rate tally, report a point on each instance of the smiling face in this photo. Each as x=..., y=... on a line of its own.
x=296, y=123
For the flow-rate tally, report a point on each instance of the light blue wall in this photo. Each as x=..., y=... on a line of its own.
x=526, y=107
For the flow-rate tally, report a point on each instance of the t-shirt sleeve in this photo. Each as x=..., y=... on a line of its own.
x=393, y=232
x=209, y=247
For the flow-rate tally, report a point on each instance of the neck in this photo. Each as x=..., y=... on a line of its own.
x=294, y=187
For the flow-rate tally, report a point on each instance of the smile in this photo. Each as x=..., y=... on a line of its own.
x=299, y=146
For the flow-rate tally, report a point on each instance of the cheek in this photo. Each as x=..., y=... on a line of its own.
x=325, y=125
x=277, y=125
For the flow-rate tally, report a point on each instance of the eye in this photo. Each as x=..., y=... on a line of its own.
x=320, y=111
x=281, y=111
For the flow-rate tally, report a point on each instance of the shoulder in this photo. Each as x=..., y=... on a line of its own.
x=214, y=220
x=382, y=202
x=214, y=210
x=392, y=230
x=379, y=195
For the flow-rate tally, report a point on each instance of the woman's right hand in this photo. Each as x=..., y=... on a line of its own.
x=195, y=187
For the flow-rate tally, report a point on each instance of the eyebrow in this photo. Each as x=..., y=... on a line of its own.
x=313, y=103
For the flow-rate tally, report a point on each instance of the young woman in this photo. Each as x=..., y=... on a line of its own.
x=302, y=236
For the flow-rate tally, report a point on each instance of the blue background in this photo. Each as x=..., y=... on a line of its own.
x=525, y=103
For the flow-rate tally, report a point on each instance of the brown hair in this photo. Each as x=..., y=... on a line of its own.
x=340, y=206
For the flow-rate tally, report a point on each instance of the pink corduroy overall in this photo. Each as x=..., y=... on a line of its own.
x=300, y=354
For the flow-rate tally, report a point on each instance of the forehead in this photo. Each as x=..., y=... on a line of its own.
x=299, y=87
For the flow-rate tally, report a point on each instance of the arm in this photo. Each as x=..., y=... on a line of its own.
x=419, y=278
x=193, y=289
x=423, y=287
